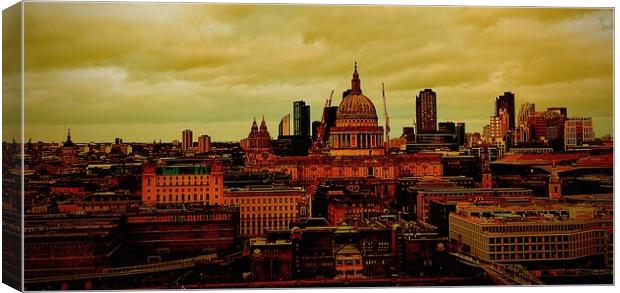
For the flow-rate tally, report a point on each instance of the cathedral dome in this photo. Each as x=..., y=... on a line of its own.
x=68, y=143
x=356, y=106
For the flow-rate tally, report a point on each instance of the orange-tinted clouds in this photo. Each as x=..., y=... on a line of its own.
x=147, y=71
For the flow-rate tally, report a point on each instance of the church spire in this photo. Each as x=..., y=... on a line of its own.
x=254, y=128
x=356, y=84
x=263, y=125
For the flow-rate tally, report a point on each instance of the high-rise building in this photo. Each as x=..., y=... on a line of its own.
x=204, y=144
x=496, y=127
x=187, y=139
x=301, y=118
x=525, y=111
x=284, y=128
x=577, y=131
x=506, y=102
x=426, y=111
x=460, y=133
x=523, y=124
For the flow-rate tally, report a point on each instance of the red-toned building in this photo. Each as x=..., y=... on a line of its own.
x=353, y=207
x=177, y=233
x=271, y=260
x=175, y=183
x=68, y=245
x=547, y=127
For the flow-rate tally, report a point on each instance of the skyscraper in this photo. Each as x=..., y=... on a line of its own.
x=426, y=111
x=525, y=111
x=523, y=124
x=187, y=139
x=204, y=143
x=460, y=133
x=301, y=118
x=506, y=102
x=284, y=128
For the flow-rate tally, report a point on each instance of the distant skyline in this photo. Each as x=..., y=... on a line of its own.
x=145, y=72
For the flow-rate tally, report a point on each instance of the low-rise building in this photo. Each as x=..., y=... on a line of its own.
x=541, y=232
x=266, y=207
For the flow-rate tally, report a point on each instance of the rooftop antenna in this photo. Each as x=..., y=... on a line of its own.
x=385, y=115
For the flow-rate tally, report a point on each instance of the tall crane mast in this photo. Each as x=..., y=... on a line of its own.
x=385, y=115
x=319, y=143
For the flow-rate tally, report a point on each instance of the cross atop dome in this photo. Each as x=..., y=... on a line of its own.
x=68, y=143
x=356, y=83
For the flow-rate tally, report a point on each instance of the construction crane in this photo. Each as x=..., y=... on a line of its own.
x=385, y=115
x=328, y=103
x=319, y=143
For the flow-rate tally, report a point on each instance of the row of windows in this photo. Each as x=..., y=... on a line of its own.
x=545, y=255
x=261, y=216
x=267, y=208
x=184, y=184
x=183, y=190
x=177, y=198
x=254, y=227
x=539, y=239
x=189, y=177
x=268, y=200
x=538, y=247
x=195, y=189
x=533, y=228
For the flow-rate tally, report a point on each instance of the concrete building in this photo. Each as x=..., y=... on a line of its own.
x=538, y=232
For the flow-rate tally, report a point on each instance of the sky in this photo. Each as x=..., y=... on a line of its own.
x=145, y=72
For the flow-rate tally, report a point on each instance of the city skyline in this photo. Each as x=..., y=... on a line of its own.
x=286, y=167
x=207, y=68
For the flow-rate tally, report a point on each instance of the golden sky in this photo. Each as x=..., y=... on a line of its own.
x=147, y=71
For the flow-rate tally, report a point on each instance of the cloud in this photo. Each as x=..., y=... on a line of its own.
x=217, y=66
